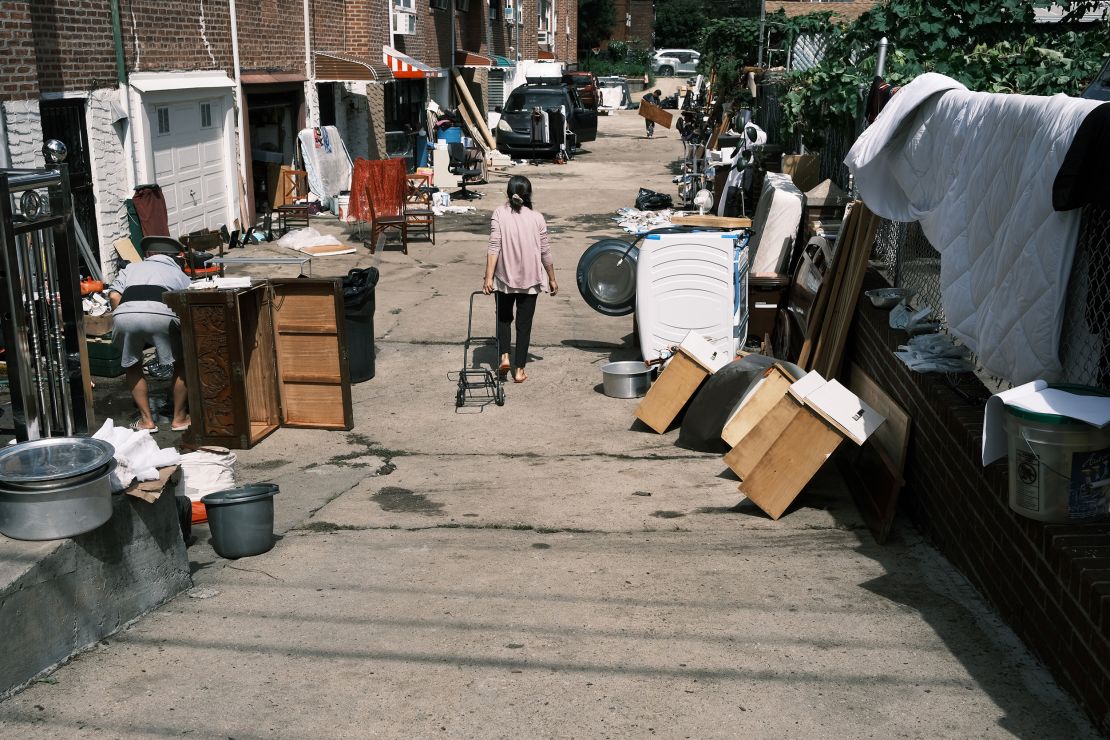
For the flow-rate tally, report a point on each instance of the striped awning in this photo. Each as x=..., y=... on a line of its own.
x=335, y=66
x=405, y=67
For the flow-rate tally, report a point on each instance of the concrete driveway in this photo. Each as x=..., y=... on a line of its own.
x=548, y=568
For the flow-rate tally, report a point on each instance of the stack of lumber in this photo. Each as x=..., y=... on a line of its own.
x=475, y=121
x=823, y=347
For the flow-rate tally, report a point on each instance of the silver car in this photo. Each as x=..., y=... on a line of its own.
x=671, y=62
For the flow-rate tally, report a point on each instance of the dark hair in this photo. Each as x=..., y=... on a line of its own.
x=520, y=192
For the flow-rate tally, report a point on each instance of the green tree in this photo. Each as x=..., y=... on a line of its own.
x=595, y=22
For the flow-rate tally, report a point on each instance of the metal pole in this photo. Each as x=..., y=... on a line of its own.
x=762, y=30
x=880, y=66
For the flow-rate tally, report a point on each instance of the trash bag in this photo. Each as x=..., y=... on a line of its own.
x=649, y=200
x=358, y=286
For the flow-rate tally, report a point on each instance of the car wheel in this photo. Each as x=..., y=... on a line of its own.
x=666, y=71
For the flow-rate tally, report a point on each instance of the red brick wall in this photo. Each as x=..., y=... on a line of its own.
x=169, y=35
x=356, y=26
x=271, y=33
x=529, y=47
x=73, y=44
x=1050, y=583
x=18, y=76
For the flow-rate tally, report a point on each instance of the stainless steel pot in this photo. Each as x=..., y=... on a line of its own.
x=630, y=379
x=55, y=488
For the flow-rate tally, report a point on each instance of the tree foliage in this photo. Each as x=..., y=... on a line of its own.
x=595, y=22
x=989, y=45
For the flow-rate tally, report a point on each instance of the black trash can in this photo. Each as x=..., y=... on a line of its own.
x=358, y=318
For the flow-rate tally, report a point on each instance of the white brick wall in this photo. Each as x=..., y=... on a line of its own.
x=109, y=170
x=23, y=127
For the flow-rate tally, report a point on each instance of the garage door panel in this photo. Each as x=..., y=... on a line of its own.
x=190, y=164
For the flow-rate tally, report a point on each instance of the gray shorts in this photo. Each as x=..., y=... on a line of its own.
x=134, y=332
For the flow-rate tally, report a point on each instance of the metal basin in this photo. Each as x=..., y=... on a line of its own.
x=55, y=488
x=629, y=379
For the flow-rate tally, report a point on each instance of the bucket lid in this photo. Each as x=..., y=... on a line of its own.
x=54, y=458
x=1079, y=390
x=240, y=495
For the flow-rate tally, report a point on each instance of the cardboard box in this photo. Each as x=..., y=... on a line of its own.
x=98, y=326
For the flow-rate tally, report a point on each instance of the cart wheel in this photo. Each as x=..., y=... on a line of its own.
x=499, y=397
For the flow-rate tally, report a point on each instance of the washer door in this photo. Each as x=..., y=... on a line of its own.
x=607, y=277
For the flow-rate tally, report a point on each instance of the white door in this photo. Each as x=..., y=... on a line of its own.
x=189, y=163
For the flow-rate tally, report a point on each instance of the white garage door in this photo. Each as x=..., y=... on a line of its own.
x=189, y=163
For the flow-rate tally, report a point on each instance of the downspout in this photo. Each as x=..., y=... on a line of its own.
x=240, y=121
x=313, y=111
x=125, y=97
x=451, y=61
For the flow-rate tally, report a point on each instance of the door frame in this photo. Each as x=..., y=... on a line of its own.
x=148, y=101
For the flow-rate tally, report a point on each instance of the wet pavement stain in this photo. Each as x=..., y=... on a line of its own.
x=402, y=500
x=540, y=546
x=664, y=514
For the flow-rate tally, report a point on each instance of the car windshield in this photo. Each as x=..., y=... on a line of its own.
x=526, y=100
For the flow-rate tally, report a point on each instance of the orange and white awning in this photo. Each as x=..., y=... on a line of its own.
x=405, y=67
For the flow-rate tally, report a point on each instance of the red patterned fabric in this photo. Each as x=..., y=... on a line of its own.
x=359, y=207
x=386, y=187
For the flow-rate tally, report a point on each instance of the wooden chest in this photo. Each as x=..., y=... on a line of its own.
x=258, y=358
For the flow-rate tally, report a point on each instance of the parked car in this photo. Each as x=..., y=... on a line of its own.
x=514, y=130
x=585, y=84
x=671, y=62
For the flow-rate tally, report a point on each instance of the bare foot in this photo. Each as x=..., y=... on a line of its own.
x=520, y=376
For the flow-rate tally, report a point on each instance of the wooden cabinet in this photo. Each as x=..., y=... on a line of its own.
x=257, y=358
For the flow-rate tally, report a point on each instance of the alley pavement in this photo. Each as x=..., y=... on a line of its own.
x=547, y=568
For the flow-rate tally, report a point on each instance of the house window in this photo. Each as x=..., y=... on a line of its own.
x=163, y=120
x=206, y=115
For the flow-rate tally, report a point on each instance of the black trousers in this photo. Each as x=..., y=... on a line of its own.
x=525, y=304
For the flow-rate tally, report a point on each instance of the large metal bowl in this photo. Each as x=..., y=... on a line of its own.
x=55, y=488
x=630, y=379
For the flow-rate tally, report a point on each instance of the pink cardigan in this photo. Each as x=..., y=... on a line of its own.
x=520, y=242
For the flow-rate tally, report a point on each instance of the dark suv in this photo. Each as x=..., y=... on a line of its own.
x=514, y=131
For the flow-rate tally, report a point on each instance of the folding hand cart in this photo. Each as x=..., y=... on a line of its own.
x=479, y=383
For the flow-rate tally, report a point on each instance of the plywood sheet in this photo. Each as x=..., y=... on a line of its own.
x=772, y=387
x=747, y=453
x=804, y=170
x=666, y=398
x=727, y=222
x=789, y=464
x=653, y=112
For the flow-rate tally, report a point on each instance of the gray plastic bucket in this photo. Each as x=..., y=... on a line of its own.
x=242, y=520
x=1059, y=467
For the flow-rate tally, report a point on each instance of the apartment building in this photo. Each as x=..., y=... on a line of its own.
x=205, y=98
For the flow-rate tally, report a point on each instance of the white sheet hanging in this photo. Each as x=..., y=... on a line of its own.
x=326, y=160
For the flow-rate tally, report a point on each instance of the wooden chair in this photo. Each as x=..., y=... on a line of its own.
x=386, y=188
x=202, y=241
x=418, y=206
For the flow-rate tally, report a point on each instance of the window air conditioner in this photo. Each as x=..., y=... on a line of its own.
x=510, y=13
x=543, y=37
x=404, y=24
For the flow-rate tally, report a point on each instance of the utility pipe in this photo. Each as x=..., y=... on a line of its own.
x=313, y=111
x=880, y=66
x=125, y=98
x=240, y=122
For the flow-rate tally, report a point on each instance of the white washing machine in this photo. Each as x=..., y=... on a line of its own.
x=693, y=281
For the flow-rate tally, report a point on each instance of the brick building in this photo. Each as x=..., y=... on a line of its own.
x=206, y=98
x=634, y=22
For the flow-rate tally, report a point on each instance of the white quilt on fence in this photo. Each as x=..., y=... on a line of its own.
x=976, y=169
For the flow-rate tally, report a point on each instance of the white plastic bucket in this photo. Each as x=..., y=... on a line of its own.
x=342, y=206
x=1059, y=467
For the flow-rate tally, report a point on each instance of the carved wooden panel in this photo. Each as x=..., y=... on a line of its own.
x=214, y=367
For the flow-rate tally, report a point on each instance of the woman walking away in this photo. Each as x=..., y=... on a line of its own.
x=518, y=268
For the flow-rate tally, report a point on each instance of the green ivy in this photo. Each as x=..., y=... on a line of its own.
x=989, y=45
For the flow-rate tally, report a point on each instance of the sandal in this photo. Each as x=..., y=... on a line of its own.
x=134, y=426
x=523, y=377
x=181, y=428
x=503, y=371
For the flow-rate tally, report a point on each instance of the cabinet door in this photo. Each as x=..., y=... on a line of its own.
x=311, y=346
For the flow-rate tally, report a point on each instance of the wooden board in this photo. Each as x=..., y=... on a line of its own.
x=803, y=169
x=828, y=288
x=874, y=471
x=772, y=387
x=653, y=112
x=749, y=451
x=310, y=341
x=715, y=221
x=795, y=456
x=124, y=248
x=666, y=398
